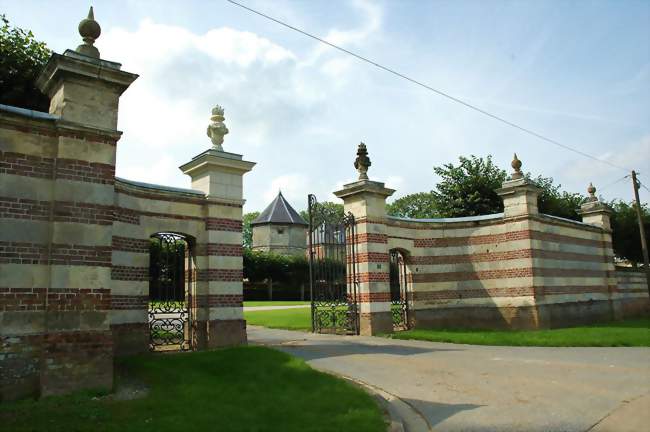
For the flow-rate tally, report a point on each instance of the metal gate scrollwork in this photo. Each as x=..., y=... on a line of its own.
x=169, y=293
x=333, y=279
x=398, y=290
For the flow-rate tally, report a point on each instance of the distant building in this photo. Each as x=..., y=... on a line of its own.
x=280, y=229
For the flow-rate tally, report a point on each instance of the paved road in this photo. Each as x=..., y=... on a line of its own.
x=481, y=388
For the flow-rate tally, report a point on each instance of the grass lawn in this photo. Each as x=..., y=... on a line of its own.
x=237, y=389
x=633, y=332
x=275, y=303
x=290, y=319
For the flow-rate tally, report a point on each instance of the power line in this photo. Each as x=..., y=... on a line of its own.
x=613, y=183
x=421, y=84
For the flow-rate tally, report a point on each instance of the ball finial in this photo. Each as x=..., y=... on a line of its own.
x=592, y=192
x=89, y=30
x=516, y=165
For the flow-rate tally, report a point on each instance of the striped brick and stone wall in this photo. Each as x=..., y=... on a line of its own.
x=517, y=269
x=74, y=239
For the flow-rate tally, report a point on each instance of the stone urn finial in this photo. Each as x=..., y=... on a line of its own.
x=591, y=190
x=516, y=165
x=89, y=30
x=362, y=162
x=217, y=129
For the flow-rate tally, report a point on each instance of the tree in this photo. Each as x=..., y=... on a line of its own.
x=21, y=59
x=325, y=211
x=247, y=230
x=625, y=231
x=555, y=202
x=420, y=205
x=469, y=188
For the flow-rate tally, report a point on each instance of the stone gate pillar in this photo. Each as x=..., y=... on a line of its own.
x=366, y=200
x=84, y=91
x=218, y=308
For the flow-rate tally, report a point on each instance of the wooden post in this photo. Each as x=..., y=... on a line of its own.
x=639, y=215
x=270, y=287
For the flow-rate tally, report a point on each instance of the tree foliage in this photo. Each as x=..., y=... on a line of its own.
x=468, y=189
x=21, y=59
x=556, y=202
x=625, y=237
x=325, y=211
x=420, y=205
x=247, y=230
x=260, y=266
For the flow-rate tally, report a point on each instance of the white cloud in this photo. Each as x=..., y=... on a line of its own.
x=295, y=187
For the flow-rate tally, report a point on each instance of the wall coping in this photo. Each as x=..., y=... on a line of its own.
x=575, y=222
x=28, y=112
x=160, y=188
x=450, y=220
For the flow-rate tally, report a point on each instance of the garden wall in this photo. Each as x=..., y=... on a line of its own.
x=74, y=239
x=529, y=272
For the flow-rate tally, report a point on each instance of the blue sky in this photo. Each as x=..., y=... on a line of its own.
x=578, y=72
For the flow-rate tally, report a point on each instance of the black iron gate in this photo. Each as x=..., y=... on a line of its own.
x=398, y=290
x=169, y=294
x=333, y=280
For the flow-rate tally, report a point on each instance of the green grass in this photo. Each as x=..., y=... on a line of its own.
x=275, y=303
x=634, y=332
x=238, y=389
x=291, y=319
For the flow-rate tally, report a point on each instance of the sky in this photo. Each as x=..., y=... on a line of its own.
x=575, y=71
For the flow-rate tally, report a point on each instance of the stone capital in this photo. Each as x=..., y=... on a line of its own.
x=218, y=174
x=84, y=89
x=596, y=213
x=519, y=197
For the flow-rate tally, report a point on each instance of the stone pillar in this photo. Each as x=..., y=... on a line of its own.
x=366, y=200
x=519, y=194
x=594, y=212
x=77, y=340
x=218, y=174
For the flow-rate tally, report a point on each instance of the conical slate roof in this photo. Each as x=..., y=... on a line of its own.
x=279, y=212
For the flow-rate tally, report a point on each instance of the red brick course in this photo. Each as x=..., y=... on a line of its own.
x=25, y=165
x=223, y=224
x=219, y=249
x=506, y=237
x=129, y=273
x=506, y=274
x=61, y=254
x=19, y=208
x=58, y=299
x=129, y=302
x=222, y=275
x=219, y=300
x=373, y=257
x=373, y=297
x=127, y=244
x=77, y=212
x=507, y=255
x=84, y=171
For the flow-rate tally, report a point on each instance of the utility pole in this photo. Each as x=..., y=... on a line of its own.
x=644, y=246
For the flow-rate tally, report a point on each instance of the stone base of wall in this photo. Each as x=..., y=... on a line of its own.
x=633, y=307
x=130, y=338
x=476, y=317
x=223, y=333
x=555, y=315
x=375, y=323
x=20, y=360
x=573, y=314
x=77, y=360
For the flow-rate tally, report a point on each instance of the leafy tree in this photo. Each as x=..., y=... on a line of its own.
x=327, y=211
x=625, y=237
x=420, y=205
x=21, y=59
x=247, y=230
x=469, y=188
x=555, y=202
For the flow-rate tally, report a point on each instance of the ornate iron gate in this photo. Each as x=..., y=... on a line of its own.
x=169, y=293
x=333, y=281
x=398, y=290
